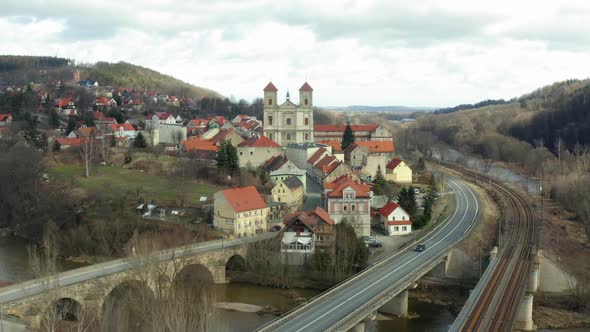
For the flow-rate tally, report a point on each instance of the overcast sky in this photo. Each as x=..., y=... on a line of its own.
x=368, y=52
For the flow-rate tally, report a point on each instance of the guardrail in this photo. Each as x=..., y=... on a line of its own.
x=129, y=262
x=305, y=306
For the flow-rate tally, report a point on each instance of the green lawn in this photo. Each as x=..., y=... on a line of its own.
x=152, y=187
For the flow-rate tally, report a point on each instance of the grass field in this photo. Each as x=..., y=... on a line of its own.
x=158, y=188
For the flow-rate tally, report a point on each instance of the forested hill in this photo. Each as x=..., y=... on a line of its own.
x=124, y=74
x=22, y=70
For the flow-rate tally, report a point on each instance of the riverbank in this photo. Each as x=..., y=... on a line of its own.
x=555, y=311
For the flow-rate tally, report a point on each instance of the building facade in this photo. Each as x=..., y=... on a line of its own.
x=288, y=122
x=349, y=201
x=289, y=191
x=240, y=211
x=398, y=171
x=254, y=151
x=396, y=221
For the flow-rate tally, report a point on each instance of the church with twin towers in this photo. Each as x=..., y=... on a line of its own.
x=288, y=122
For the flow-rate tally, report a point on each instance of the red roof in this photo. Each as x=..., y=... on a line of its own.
x=162, y=115
x=102, y=100
x=97, y=115
x=244, y=199
x=393, y=163
x=221, y=135
x=4, y=117
x=309, y=218
x=199, y=122
x=326, y=164
x=334, y=144
x=126, y=127
x=361, y=190
x=305, y=87
x=377, y=146
x=388, y=208
x=340, y=128
x=316, y=156
x=194, y=143
x=63, y=102
x=259, y=142
x=270, y=87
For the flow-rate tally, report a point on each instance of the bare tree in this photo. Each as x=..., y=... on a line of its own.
x=88, y=152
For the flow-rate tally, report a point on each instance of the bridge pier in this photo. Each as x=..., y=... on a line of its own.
x=534, y=275
x=397, y=306
x=524, y=318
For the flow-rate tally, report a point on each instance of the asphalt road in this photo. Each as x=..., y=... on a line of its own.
x=33, y=287
x=327, y=312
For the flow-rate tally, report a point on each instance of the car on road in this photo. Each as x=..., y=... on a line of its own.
x=375, y=244
x=420, y=248
x=275, y=228
x=367, y=239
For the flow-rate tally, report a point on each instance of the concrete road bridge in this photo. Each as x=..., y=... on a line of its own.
x=384, y=286
x=90, y=287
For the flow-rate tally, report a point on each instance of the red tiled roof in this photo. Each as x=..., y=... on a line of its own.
x=198, y=122
x=325, y=163
x=389, y=207
x=97, y=115
x=162, y=115
x=377, y=146
x=270, y=87
x=126, y=127
x=334, y=144
x=362, y=190
x=309, y=218
x=393, y=163
x=65, y=141
x=274, y=163
x=316, y=156
x=305, y=87
x=259, y=142
x=221, y=135
x=109, y=120
x=340, y=128
x=63, y=102
x=4, y=117
x=102, y=100
x=244, y=199
x=195, y=143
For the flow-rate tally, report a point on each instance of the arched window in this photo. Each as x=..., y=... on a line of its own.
x=288, y=137
x=288, y=121
x=306, y=101
x=306, y=120
x=270, y=101
x=270, y=120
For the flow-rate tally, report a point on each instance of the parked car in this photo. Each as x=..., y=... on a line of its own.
x=420, y=248
x=275, y=228
x=416, y=191
x=366, y=238
x=375, y=244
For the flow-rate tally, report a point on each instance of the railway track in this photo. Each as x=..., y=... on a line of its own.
x=498, y=303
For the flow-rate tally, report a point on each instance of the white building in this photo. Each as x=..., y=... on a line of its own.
x=396, y=220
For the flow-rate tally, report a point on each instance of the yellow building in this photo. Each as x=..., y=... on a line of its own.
x=240, y=211
x=398, y=171
x=289, y=191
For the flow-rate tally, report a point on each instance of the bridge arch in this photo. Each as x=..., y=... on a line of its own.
x=66, y=308
x=126, y=305
x=193, y=275
x=235, y=263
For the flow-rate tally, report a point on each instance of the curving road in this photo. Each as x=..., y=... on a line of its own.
x=330, y=310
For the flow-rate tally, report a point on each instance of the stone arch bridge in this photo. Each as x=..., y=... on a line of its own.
x=90, y=287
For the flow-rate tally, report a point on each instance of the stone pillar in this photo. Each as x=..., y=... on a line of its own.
x=494, y=252
x=440, y=270
x=524, y=319
x=534, y=274
x=218, y=273
x=397, y=306
x=360, y=327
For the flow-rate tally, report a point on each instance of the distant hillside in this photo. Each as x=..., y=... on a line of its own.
x=20, y=62
x=381, y=109
x=124, y=74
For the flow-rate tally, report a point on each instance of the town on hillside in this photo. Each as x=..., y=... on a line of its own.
x=311, y=176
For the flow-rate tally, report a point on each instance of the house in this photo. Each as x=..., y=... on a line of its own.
x=395, y=220
x=158, y=118
x=5, y=119
x=283, y=168
x=65, y=106
x=88, y=83
x=305, y=232
x=318, y=155
x=216, y=121
x=349, y=200
x=123, y=130
x=300, y=153
x=254, y=151
x=276, y=212
x=323, y=167
x=102, y=102
x=356, y=155
x=68, y=142
x=362, y=132
x=195, y=143
x=240, y=211
x=290, y=191
x=398, y=171
x=228, y=135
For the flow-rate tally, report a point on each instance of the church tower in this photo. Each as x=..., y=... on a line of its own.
x=305, y=96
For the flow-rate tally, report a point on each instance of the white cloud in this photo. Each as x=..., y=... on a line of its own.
x=433, y=53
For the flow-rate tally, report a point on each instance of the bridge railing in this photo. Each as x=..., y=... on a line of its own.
x=122, y=264
x=305, y=306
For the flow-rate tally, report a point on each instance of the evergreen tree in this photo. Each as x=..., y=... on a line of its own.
x=348, y=137
x=71, y=125
x=379, y=182
x=53, y=119
x=407, y=200
x=221, y=159
x=56, y=146
x=420, y=166
x=227, y=158
x=139, y=141
x=32, y=135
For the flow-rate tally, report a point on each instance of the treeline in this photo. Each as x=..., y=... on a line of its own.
x=463, y=107
x=229, y=108
x=567, y=124
x=17, y=62
x=127, y=75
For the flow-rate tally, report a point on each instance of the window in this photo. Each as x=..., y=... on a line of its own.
x=241, y=153
x=306, y=103
x=270, y=135
x=270, y=101
x=270, y=120
x=396, y=228
x=288, y=121
x=307, y=137
x=288, y=137
x=344, y=207
x=352, y=207
x=405, y=228
x=306, y=119
x=251, y=152
x=403, y=217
